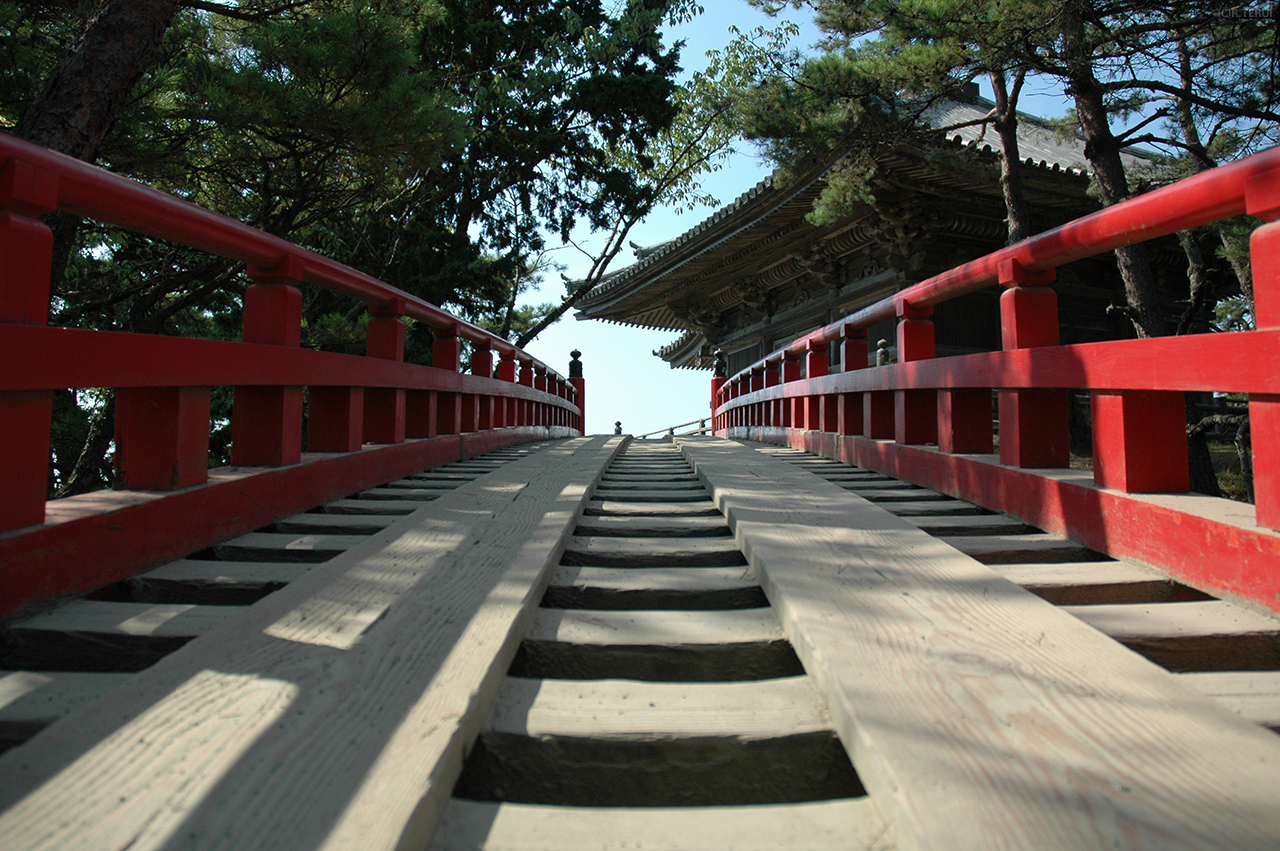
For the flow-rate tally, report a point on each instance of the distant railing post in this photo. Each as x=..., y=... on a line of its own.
x=504, y=408
x=26, y=252
x=816, y=362
x=579, y=388
x=1033, y=423
x=1262, y=199
x=718, y=379
x=853, y=356
x=266, y=422
x=878, y=405
x=915, y=411
x=446, y=354
x=384, y=407
x=793, y=408
x=524, y=406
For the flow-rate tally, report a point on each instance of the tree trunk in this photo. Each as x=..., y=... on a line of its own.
x=91, y=85
x=1015, y=200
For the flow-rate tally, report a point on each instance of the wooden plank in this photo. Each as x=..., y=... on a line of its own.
x=32, y=700
x=981, y=524
x=1086, y=582
x=701, y=508
x=654, y=588
x=971, y=708
x=662, y=646
x=373, y=506
x=334, y=524
x=213, y=583
x=333, y=713
x=1018, y=549
x=667, y=483
x=822, y=826
x=94, y=635
x=1253, y=695
x=272, y=546
x=1196, y=636
x=651, y=552
x=660, y=526
x=615, y=476
x=898, y=494
x=417, y=494
x=667, y=495
x=936, y=508
x=624, y=743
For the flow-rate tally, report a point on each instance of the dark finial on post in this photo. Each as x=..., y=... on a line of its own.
x=575, y=365
x=617, y=427
x=882, y=353
x=722, y=365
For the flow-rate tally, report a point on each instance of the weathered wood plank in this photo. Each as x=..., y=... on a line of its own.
x=332, y=714
x=651, y=552
x=272, y=546
x=385, y=494
x=973, y=709
x=94, y=635
x=1253, y=695
x=213, y=583
x=334, y=524
x=979, y=524
x=667, y=483
x=373, y=506
x=1196, y=636
x=654, y=588
x=1018, y=549
x=32, y=700
x=898, y=494
x=649, y=527
x=1088, y=582
x=821, y=826
x=936, y=508
x=623, y=743
x=700, y=508
x=666, y=495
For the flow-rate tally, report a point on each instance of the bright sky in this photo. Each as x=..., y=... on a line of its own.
x=625, y=380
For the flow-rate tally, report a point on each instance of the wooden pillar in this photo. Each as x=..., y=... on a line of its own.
x=162, y=437
x=26, y=417
x=504, y=406
x=915, y=411
x=964, y=420
x=446, y=354
x=266, y=422
x=525, y=407
x=1262, y=199
x=1033, y=422
x=793, y=407
x=384, y=407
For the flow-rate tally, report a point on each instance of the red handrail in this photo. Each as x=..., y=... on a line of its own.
x=929, y=419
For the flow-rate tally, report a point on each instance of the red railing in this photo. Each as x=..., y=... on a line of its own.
x=369, y=419
x=929, y=420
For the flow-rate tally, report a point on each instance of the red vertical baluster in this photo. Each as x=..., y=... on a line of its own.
x=1140, y=441
x=446, y=355
x=1262, y=199
x=266, y=422
x=384, y=407
x=482, y=365
x=853, y=356
x=504, y=410
x=1033, y=422
x=792, y=408
x=525, y=406
x=26, y=417
x=815, y=366
x=915, y=412
x=162, y=437
x=719, y=378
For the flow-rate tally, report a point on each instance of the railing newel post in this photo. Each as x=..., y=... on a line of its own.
x=816, y=364
x=853, y=356
x=878, y=405
x=446, y=354
x=26, y=418
x=266, y=422
x=384, y=407
x=1033, y=422
x=1262, y=199
x=579, y=385
x=719, y=377
x=793, y=407
x=915, y=413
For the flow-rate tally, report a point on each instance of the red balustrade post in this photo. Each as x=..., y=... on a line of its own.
x=579, y=388
x=162, y=437
x=1140, y=441
x=792, y=410
x=482, y=365
x=384, y=407
x=964, y=420
x=525, y=407
x=1033, y=422
x=335, y=419
x=446, y=354
x=26, y=252
x=266, y=422
x=1262, y=199
x=853, y=356
x=765, y=413
x=915, y=411
x=539, y=383
x=504, y=409
x=815, y=366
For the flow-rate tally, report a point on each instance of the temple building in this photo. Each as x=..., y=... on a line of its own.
x=756, y=274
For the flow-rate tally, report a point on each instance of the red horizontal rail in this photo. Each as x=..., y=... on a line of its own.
x=930, y=420
x=368, y=419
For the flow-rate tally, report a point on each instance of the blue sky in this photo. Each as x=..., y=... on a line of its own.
x=625, y=381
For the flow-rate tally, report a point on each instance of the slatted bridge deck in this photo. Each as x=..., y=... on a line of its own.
x=600, y=643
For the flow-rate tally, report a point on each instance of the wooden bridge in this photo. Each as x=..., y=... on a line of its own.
x=455, y=622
